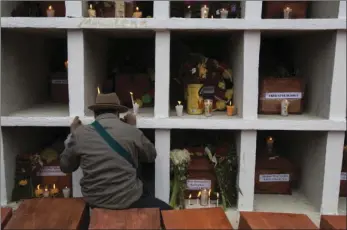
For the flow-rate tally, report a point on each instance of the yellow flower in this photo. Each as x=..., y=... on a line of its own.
x=23, y=182
x=221, y=85
x=220, y=105
x=229, y=94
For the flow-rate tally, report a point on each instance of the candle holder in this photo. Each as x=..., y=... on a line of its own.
x=38, y=192
x=230, y=110
x=137, y=13
x=269, y=144
x=91, y=11
x=54, y=191
x=224, y=13
x=208, y=107
x=287, y=13
x=188, y=12
x=119, y=9
x=50, y=12
x=66, y=192
x=46, y=193
x=284, y=107
x=204, y=197
x=204, y=11
x=136, y=108
x=179, y=109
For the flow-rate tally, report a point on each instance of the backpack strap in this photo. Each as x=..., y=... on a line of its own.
x=112, y=142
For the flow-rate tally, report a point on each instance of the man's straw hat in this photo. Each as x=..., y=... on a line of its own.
x=108, y=101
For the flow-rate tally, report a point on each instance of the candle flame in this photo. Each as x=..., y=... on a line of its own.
x=131, y=93
x=205, y=6
x=188, y=7
x=209, y=192
x=98, y=90
x=179, y=102
x=46, y=189
x=38, y=187
x=269, y=140
x=53, y=186
x=50, y=7
x=190, y=196
x=137, y=9
x=91, y=6
x=199, y=194
x=230, y=103
x=217, y=195
x=65, y=186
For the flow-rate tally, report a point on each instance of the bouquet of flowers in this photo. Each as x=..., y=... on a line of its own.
x=180, y=159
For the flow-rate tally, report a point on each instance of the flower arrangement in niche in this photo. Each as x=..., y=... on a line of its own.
x=180, y=159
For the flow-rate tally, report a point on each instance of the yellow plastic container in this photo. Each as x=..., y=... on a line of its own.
x=195, y=103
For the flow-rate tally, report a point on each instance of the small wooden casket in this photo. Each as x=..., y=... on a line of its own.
x=343, y=183
x=59, y=88
x=273, y=175
x=273, y=90
x=201, y=174
x=274, y=9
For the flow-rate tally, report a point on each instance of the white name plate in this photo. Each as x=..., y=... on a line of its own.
x=344, y=176
x=197, y=185
x=50, y=171
x=274, y=178
x=285, y=95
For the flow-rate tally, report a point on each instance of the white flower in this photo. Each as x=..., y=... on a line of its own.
x=180, y=156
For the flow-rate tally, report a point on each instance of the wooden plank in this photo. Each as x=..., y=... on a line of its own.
x=204, y=218
x=6, y=214
x=144, y=218
x=48, y=213
x=269, y=220
x=333, y=222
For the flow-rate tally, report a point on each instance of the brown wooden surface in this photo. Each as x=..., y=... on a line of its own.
x=145, y=218
x=269, y=220
x=48, y=213
x=333, y=222
x=205, y=218
x=6, y=214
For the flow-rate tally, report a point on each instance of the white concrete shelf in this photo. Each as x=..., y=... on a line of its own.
x=342, y=206
x=295, y=203
x=320, y=52
x=172, y=24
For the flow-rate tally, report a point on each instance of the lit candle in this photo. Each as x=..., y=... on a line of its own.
x=136, y=108
x=66, y=192
x=98, y=89
x=137, y=13
x=46, y=192
x=188, y=13
x=224, y=13
x=50, y=11
x=190, y=196
x=217, y=199
x=209, y=198
x=132, y=98
x=38, y=191
x=204, y=12
x=54, y=191
x=179, y=109
x=198, y=197
x=287, y=12
x=230, y=109
x=269, y=142
x=91, y=11
x=204, y=197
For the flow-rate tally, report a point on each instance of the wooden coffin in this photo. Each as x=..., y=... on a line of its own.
x=59, y=88
x=202, y=218
x=145, y=218
x=58, y=6
x=273, y=90
x=274, y=9
x=273, y=175
x=49, y=214
x=333, y=222
x=270, y=220
x=51, y=174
